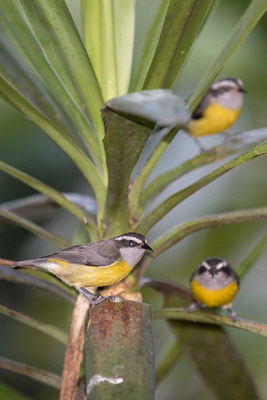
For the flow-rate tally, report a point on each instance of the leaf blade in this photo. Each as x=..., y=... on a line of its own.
x=34, y=228
x=159, y=212
x=32, y=278
x=63, y=141
x=53, y=194
x=140, y=72
x=35, y=59
x=234, y=144
x=47, y=329
x=40, y=375
x=108, y=32
x=182, y=23
x=181, y=231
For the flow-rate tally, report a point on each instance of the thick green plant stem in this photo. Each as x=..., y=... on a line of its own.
x=184, y=315
x=167, y=205
x=119, y=355
x=124, y=140
x=49, y=330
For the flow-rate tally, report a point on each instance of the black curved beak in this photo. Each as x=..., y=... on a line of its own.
x=147, y=247
x=242, y=90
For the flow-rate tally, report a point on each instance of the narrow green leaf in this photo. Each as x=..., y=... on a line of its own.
x=209, y=347
x=35, y=229
x=182, y=23
x=38, y=279
x=65, y=34
x=152, y=38
x=64, y=142
x=40, y=375
x=182, y=314
x=252, y=256
x=124, y=22
x=179, y=232
x=159, y=212
x=54, y=195
x=40, y=207
x=36, y=60
x=145, y=172
x=47, y=329
x=244, y=26
x=234, y=144
x=109, y=32
x=124, y=140
x=119, y=335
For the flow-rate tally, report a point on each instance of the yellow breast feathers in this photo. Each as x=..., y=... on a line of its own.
x=82, y=275
x=216, y=118
x=214, y=297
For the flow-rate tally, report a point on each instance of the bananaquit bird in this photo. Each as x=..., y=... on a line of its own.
x=214, y=284
x=94, y=264
x=218, y=109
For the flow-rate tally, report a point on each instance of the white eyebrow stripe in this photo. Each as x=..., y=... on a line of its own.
x=134, y=239
x=205, y=264
x=223, y=83
x=221, y=265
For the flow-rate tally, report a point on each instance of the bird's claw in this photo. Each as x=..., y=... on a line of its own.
x=98, y=299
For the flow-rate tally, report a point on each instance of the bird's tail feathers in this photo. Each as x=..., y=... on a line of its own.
x=35, y=263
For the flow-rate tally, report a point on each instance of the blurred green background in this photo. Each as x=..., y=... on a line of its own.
x=24, y=146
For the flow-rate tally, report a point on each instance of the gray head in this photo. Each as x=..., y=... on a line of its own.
x=228, y=92
x=215, y=273
x=131, y=246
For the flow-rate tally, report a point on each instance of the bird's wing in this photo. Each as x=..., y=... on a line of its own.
x=198, y=112
x=98, y=254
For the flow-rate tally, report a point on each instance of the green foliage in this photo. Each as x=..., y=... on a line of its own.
x=60, y=82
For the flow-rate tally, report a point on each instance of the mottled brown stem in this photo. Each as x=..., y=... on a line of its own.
x=74, y=351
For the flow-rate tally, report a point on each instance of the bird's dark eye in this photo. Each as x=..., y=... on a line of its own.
x=132, y=243
x=202, y=270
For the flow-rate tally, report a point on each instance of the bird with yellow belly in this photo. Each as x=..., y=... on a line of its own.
x=218, y=109
x=214, y=284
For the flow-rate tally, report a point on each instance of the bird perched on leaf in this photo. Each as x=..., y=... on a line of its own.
x=218, y=109
x=94, y=264
x=214, y=284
